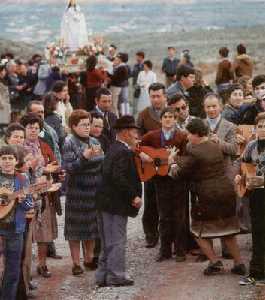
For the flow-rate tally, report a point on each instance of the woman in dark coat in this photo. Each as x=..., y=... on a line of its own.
x=50, y=102
x=214, y=211
x=82, y=159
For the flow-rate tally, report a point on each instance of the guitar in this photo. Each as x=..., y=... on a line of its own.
x=159, y=166
x=9, y=198
x=247, y=171
x=247, y=131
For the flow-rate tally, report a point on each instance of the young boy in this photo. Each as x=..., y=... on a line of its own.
x=255, y=154
x=12, y=227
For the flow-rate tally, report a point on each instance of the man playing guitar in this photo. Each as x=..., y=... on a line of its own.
x=171, y=195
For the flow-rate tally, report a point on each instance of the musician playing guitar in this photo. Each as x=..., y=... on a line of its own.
x=171, y=195
x=255, y=154
x=13, y=226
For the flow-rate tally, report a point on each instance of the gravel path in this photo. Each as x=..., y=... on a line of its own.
x=154, y=281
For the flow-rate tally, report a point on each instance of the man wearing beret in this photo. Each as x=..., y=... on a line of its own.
x=119, y=197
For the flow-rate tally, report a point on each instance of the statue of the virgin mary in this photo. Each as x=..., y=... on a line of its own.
x=73, y=27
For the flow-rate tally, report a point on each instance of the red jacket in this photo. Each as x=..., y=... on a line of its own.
x=155, y=139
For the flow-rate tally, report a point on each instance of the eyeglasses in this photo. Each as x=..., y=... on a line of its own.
x=184, y=107
x=84, y=125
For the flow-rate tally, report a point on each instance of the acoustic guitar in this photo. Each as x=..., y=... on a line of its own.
x=159, y=166
x=8, y=198
x=247, y=171
x=247, y=131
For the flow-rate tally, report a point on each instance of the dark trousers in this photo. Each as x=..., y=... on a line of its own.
x=90, y=98
x=13, y=247
x=172, y=201
x=257, y=216
x=150, y=216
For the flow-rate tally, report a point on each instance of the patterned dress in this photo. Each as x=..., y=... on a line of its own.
x=83, y=178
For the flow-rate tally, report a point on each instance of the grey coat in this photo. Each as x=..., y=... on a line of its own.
x=5, y=108
x=226, y=132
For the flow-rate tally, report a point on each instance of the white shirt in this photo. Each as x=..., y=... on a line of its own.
x=145, y=79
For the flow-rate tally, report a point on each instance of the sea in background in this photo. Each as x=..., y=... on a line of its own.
x=40, y=23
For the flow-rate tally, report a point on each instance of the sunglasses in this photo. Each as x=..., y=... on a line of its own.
x=261, y=126
x=184, y=107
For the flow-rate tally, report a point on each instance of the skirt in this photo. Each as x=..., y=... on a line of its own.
x=215, y=228
x=80, y=219
x=45, y=224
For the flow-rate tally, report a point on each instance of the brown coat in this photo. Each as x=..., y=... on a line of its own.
x=243, y=66
x=204, y=166
x=148, y=120
x=224, y=72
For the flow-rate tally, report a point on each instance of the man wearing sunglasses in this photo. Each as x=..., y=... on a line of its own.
x=249, y=114
x=182, y=111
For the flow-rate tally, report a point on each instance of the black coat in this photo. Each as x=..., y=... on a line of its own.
x=121, y=183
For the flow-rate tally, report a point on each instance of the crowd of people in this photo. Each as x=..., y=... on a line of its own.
x=74, y=135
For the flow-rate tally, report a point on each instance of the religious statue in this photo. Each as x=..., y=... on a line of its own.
x=73, y=27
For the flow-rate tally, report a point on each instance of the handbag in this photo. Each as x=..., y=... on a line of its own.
x=137, y=91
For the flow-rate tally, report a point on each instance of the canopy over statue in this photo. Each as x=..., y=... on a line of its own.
x=73, y=27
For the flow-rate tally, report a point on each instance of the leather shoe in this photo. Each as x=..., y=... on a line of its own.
x=125, y=282
x=162, y=257
x=55, y=256
x=43, y=271
x=151, y=243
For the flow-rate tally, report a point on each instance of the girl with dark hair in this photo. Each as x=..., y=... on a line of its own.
x=213, y=213
x=93, y=80
x=51, y=116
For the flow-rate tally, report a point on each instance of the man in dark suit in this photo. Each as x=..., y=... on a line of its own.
x=119, y=197
x=103, y=107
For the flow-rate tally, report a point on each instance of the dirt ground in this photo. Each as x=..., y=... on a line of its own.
x=153, y=281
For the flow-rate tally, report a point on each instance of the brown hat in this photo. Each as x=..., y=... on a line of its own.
x=125, y=122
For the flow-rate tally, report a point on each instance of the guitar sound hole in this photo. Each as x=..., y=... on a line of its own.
x=4, y=201
x=157, y=162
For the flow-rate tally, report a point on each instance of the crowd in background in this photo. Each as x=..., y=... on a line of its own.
x=64, y=125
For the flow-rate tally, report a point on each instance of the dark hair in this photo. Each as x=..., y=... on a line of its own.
x=9, y=150
x=59, y=86
x=50, y=102
x=70, y=5
x=77, y=115
x=95, y=115
x=11, y=128
x=157, y=86
x=55, y=69
x=260, y=117
x=91, y=63
x=31, y=118
x=224, y=51
x=241, y=49
x=102, y=92
x=197, y=126
x=171, y=47
x=149, y=64
x=232, y=88
x=167, y=110
x=124, y=57
x=113, y=46
x=185, y=71
x=140, y=53
x=258, y=80
x=174, y=99
x=36, y=102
